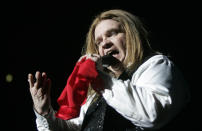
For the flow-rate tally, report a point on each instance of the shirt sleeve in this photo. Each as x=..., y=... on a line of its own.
x=50, y=123
x=153, y=96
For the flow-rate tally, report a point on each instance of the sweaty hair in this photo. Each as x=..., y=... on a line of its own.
x=137, y=43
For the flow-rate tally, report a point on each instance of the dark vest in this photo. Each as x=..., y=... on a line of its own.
x=102, y=117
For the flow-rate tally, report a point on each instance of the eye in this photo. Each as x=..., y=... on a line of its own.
x=97, y=44
x=114, y=32
x=97, y=41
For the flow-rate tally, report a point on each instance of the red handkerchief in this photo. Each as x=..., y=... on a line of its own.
x=74, y=94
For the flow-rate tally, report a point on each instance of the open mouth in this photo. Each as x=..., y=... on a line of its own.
x=113, y=52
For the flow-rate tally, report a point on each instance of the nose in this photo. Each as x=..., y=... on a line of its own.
x=106, y=44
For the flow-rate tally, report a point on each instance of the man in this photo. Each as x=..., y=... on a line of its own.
x=140, y=89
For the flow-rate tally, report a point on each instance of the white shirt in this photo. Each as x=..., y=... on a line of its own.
x=154, y=95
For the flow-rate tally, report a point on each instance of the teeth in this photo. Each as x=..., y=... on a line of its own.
x=112, y=52
x=107, y=53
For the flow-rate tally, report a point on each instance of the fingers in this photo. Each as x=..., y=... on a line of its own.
x=43, y=83
x=44, y=79
x=38, y=79
x=30, y=80
x=93, y=57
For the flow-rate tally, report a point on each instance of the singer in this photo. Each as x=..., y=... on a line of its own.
x=119, y=83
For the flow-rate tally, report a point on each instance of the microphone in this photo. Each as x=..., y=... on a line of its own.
x=109, y=60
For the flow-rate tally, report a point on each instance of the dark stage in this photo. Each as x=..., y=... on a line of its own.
x=48, y=36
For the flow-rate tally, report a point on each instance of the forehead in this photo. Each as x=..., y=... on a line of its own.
x=106, y=25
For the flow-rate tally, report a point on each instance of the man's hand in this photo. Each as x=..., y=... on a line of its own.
x=117, y=69
x=40, y=92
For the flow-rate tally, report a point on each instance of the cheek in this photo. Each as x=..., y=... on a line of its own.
x=122, y=41
x=100, y=51
x=123, y=44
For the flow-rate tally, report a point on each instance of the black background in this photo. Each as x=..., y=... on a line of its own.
x=48, y=36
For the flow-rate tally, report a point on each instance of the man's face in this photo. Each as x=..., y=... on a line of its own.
x=110, y=38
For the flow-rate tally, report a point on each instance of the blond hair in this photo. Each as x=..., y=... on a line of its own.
x=136, y=36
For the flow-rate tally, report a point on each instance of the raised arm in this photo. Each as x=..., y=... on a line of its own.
x=40, y=87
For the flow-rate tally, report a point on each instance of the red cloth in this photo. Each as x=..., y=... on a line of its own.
x=75, y=92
